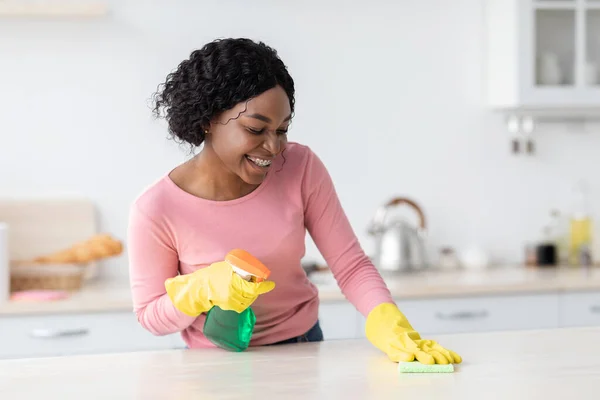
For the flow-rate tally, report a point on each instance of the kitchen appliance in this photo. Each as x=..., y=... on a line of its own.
x=399, y=245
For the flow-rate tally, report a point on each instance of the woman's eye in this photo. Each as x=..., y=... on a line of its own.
x=261, y=131
x=255, y=131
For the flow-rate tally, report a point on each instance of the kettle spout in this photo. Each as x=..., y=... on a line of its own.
x=376, y=226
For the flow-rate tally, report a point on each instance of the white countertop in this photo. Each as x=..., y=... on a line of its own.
x=552, y=364
x=101, y=296
x=115, y=296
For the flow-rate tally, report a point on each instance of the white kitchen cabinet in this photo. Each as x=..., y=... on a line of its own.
x=68, y=334
x=478, y=313
x=580, y=309
x=339, y=320
x=86, y=333
x=543, y=56
x=482, y=313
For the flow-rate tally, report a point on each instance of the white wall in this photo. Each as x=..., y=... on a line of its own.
x=390, y=94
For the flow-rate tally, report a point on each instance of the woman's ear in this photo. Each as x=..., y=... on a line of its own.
x=206, y=128
x=209, y=127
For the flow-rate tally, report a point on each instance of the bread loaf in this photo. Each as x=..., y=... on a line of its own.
x=97, y=247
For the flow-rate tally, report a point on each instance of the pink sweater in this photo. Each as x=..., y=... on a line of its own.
x=172, y=231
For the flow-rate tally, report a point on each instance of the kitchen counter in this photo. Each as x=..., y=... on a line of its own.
x=493, y=281
x=101, y=296
x=115, y=296
x=548, y=364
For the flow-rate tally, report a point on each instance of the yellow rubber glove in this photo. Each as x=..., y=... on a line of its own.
x=215, y=285
x=389, y=330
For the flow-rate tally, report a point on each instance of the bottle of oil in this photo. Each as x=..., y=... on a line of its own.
x=581, y=228
x=229, y=329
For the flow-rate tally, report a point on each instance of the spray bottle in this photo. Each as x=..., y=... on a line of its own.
x=229, y=329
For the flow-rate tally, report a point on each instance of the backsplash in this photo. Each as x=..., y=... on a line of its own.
x=395, y=108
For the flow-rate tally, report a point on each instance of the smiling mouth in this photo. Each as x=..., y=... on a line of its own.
x=260, y=161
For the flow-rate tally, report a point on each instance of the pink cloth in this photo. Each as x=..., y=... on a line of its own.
x=39, y=295
x=172, y=231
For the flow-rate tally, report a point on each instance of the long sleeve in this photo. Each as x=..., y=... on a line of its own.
x=328, y=225
x=153, y=259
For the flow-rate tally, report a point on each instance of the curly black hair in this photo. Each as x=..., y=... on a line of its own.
x=215, y=78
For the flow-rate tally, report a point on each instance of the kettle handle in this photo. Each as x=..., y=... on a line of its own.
x=403, y=200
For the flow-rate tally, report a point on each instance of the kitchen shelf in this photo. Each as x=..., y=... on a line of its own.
x=543, y=58
x=51, y=9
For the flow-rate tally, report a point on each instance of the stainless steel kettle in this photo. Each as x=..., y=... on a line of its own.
x=400, y=246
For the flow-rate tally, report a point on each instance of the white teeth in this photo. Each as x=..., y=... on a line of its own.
x=260, y=162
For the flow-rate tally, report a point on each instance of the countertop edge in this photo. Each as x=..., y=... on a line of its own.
x=327, y=294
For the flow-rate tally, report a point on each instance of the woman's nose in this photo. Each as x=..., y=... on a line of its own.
x=273, y=143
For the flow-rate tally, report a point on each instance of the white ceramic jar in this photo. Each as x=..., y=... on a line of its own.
x=550, y=71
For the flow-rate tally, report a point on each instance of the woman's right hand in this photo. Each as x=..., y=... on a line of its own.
x=215, y=285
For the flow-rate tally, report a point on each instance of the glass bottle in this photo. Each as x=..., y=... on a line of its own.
x=580, y=232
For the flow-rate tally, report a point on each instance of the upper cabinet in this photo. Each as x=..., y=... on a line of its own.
x=543, y=57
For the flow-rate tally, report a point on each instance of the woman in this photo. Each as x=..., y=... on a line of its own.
x=249, y=188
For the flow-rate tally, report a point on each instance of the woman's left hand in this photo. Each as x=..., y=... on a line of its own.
x=389, y=330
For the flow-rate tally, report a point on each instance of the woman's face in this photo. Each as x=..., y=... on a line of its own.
x=249, y=136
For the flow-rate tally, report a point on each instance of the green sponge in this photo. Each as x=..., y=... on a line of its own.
x=415, y=366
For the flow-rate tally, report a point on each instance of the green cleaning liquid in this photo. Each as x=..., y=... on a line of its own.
x=229, y=329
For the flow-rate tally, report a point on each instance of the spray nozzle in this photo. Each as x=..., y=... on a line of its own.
x=247, y=266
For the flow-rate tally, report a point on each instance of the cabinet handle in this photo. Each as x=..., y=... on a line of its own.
x=595, y=309
x=463, y=315
x=55, y=333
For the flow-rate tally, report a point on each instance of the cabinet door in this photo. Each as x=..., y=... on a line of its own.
x=39, y=336
x=338, y=320
x=580, y=309
x=479, y=313
x=554, y=56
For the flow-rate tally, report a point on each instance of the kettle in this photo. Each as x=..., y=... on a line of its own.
x=399, y=246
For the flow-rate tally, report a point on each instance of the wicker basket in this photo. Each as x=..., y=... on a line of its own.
x=31, y=276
